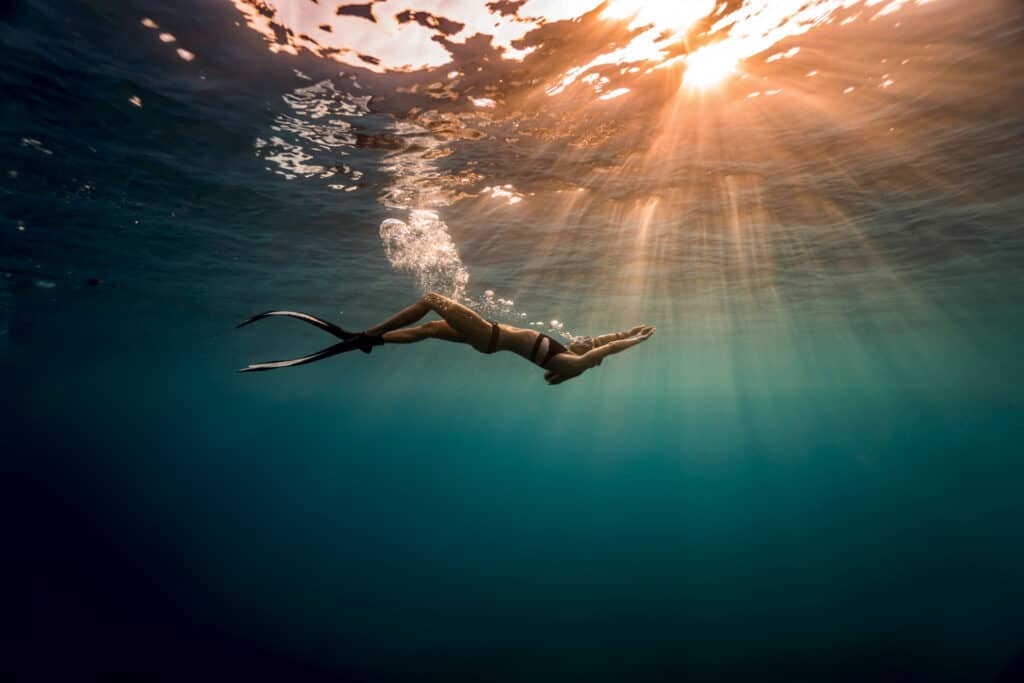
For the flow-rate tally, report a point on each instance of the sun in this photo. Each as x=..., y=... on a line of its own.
x=709, y=66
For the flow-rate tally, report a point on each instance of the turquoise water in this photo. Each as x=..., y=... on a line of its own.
x=810, y=472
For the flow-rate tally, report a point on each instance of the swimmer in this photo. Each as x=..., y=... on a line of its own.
x=461, y=324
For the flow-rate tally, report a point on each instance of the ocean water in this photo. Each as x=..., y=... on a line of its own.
x=811, y=472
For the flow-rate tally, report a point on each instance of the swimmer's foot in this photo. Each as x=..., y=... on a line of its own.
x=365, y=342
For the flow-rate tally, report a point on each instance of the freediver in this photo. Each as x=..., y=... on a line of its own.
x=462, y=324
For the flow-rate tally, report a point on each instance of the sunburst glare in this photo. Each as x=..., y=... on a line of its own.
x=711, y=65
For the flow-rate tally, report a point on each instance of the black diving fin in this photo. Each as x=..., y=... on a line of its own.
x=350, y=341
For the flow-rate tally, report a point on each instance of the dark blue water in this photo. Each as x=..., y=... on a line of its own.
x=812, y=472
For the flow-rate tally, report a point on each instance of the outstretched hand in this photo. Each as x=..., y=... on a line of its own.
x=642, y=332
x=596, y=355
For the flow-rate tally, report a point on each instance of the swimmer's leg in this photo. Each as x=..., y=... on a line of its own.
x=437, y=329
x=407, y=316
x=462, y=319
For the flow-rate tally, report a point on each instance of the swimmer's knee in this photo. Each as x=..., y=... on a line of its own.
x=436, y=300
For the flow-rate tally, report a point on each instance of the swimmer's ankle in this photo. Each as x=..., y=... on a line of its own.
x=366, y=341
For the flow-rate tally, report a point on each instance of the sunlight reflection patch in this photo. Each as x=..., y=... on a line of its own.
x=710, y=65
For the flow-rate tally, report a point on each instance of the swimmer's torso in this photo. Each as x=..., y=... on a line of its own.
x=530, y=344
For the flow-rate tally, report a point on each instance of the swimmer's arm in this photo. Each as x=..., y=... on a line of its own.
x=596, y=355
x=615, y=336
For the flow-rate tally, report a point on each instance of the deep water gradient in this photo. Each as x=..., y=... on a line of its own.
x=812, y=472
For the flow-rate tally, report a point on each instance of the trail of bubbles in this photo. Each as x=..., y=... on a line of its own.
x=423, y=247
x=422, y=244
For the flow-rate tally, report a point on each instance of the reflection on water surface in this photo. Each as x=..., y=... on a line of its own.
x=705, y=145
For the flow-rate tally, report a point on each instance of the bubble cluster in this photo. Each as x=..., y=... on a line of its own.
x=424, y=248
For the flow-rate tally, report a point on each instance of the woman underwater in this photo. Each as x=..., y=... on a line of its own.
x=461, y=324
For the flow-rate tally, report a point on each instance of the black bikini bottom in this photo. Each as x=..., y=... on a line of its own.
x=492, y=345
